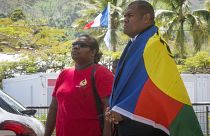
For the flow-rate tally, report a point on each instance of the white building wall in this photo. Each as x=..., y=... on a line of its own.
x=29, y=90
x=198, y=87
x=33, y=90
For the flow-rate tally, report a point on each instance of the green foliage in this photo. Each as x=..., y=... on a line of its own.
x=207, y=3
x=92, y=9
x=108, y=57
x=43, y=48
x=180, y=22
x=42, y=118
x=10, y=69
x=200, y=63
x=46, y=47
x=2, y=15
x=26, y=66
x=17, y=15
x=6, y=70
x=5, y=21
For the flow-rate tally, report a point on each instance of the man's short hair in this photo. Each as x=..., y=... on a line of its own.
x=144, y=7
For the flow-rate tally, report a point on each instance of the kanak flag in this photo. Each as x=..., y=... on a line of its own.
x=100, y=21
x=150, y=89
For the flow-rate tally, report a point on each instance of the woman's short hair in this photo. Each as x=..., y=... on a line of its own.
x=94, y=46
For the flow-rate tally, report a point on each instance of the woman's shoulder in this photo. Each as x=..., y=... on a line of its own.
x=102, y=69
x=66, y=71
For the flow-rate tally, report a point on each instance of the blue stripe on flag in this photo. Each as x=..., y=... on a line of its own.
x=104, y=18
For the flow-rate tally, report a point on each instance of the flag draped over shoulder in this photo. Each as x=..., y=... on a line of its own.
x=100, y=21
x=150, y=89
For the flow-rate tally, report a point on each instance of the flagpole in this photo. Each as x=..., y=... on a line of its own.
x=109, y=24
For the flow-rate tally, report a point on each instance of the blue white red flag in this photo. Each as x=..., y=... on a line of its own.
x=107, y=39
x=100, y=21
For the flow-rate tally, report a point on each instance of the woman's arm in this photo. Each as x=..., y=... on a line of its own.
x=51, y=118
x=107, y=124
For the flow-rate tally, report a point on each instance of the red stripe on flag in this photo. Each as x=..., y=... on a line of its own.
x=88, y=25
x=51, y=82
x=153, y=104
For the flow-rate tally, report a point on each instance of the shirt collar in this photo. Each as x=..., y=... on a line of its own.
x=133, y=39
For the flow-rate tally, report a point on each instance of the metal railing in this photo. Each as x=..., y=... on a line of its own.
x=202, y=111
x=41, y=113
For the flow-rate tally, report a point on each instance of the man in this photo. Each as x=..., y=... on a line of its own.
x=148, y=96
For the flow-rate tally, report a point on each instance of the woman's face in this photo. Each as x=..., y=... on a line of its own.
x=81, y=51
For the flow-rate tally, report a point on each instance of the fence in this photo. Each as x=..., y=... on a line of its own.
x=41, y=114
x=202, y=111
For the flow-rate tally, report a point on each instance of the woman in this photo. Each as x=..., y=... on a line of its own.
x=73, y=108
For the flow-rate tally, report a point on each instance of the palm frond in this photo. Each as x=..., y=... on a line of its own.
x=164, y=16
x=185, y=7
x=172, y=26
x=164, y=13
x=116, y=8
x=202, y=13
x=123, y=3
x=166, y=4
x=199, y=31
x=192, y=20
x=101, y=3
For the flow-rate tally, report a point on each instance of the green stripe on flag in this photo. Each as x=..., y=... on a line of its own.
x=185, y=123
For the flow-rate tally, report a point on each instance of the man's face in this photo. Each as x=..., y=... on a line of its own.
x=134, y=21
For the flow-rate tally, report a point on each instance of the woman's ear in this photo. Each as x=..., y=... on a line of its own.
x=93, y=52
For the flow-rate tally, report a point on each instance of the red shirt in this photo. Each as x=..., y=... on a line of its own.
x=77, y=114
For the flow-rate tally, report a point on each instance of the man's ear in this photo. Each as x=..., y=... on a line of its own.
x=147, y=18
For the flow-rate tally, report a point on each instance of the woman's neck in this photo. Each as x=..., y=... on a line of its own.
x=83, y=66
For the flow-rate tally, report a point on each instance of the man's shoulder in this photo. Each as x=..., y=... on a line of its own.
x=156, y=40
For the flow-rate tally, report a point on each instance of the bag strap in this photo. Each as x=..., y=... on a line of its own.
x=99, y=104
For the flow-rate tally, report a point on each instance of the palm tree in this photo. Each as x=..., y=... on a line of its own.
x=207, y=4
x=93, y=8
x=177, y=18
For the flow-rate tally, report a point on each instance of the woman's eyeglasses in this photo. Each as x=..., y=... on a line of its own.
x=80, y=44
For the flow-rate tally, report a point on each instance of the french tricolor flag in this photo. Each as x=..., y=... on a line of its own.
x=100, y=21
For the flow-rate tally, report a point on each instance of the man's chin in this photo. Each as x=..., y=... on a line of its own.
x=125, y=31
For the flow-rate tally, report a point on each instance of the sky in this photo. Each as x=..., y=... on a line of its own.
x=197, y=4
